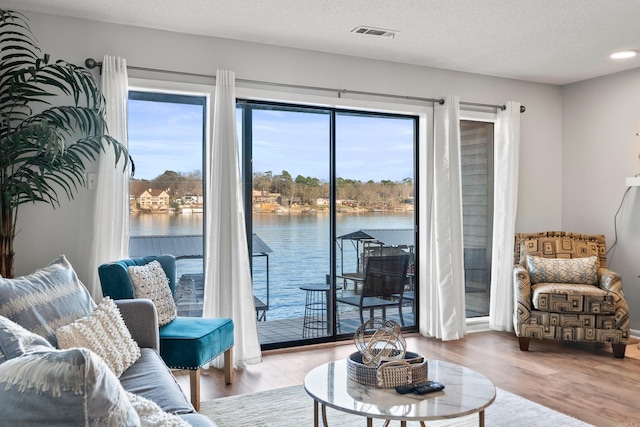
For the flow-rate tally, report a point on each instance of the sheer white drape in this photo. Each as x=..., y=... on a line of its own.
x=443, y=314
x=110, y=240
x=228, y=289
x=505, y=184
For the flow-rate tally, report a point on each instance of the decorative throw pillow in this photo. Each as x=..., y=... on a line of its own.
x=62, y=388
x=150, y=281
x=46, y=299
x=151, y=415
x=563, y=270
x=16, y=340
x=104, y=333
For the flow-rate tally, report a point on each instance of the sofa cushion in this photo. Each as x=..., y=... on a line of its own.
x=16, y=340
x=150, y=281
x=62, y=388
x=104, y=333
x=563, y=270
x=572, y=298
x=149, y=377
x=46, y=299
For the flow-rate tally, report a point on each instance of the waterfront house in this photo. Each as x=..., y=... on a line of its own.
x=153, y=199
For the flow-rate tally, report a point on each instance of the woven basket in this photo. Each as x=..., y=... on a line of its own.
x=390, y=374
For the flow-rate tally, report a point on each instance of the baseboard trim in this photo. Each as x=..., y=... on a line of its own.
x=478, y=324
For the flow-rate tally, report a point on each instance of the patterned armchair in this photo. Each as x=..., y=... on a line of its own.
x=564, y=291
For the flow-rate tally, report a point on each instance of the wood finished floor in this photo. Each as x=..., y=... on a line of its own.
x=583, y=381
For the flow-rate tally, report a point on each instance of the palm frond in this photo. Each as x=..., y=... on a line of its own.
x=45, y=147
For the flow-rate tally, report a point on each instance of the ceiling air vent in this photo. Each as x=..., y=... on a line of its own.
x=375, y=32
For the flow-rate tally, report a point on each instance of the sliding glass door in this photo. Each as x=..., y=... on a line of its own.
x=375, y=212
x=316, y=179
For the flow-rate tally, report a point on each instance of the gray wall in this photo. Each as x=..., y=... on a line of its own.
x=600, y=119
x=47, y=233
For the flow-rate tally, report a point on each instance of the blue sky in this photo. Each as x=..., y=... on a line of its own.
x=165, y=136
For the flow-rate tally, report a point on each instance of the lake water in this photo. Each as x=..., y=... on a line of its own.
x=300, y=245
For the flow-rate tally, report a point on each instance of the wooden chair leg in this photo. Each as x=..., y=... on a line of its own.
x=194, y=379
x=228, y=365
x=618, y=350
x=524, y=343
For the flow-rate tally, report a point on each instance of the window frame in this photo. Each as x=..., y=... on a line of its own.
x=487, y=117
x=179, y=89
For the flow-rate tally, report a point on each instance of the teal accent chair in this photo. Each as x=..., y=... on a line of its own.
x=185, y=342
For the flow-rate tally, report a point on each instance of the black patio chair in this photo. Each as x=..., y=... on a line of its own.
x=383, y=285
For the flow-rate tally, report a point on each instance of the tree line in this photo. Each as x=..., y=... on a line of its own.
x=300, y=190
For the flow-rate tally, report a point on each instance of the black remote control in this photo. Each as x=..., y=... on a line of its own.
x=423, y=387
x=431, y=387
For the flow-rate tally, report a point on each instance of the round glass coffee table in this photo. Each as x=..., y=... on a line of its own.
x=466, y=392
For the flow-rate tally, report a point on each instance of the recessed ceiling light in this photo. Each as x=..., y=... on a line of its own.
x=623, y=54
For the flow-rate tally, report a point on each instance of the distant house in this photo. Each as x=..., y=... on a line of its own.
x=152, y=199
x=347, y=202
x=192, y=199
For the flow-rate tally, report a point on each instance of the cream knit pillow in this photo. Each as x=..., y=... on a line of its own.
x=104, y=333
x=150, y=281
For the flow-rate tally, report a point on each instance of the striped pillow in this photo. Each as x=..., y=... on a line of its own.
x=46, y=299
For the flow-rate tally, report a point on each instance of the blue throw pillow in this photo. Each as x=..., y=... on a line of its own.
x=63, y=388
x=46, y=299
x=16, y=340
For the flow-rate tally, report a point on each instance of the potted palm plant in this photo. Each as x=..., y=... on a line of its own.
x=52, y=126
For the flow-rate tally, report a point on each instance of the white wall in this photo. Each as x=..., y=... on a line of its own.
x=46, y=233
x=600, y=149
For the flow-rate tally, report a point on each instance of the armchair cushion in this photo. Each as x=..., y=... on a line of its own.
x=190, y=342
x=563, y=270
x=572, y=298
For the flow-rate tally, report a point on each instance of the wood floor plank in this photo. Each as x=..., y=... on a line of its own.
x=583, y=381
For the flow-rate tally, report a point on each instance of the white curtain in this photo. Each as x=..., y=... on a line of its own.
x=507, y=147
x=110, y=240
x=228, y=289
x=444, y=313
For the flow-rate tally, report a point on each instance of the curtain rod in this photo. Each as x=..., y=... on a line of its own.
x=91, y=63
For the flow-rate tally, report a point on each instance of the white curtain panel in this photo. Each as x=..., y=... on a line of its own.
x=228, y=289
x=111, y=214
x=507, y=148
x=443, y=316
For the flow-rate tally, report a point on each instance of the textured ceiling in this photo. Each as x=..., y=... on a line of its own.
x=548, y=41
